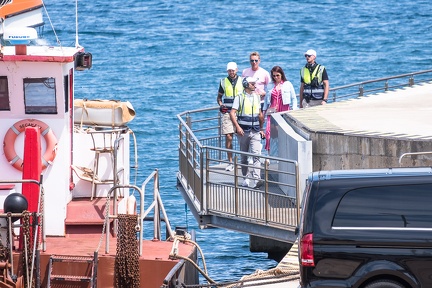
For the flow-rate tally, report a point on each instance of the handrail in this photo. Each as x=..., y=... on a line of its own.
x=115, y=173
x=361, y=91
x=156, y=205
x=114, y=216
x=39, y=183
x=383, y=79
x=412, y=153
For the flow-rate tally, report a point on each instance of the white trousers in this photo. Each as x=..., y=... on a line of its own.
x=251, y=142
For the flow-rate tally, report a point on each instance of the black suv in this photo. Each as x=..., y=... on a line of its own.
x=368, y=228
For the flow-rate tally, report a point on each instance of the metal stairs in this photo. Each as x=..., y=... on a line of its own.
x=86, y=265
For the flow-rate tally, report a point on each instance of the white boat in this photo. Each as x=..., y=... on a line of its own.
x=65, y=171
x=20, y=13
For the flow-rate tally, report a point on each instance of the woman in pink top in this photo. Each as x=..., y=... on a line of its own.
x=281, y=98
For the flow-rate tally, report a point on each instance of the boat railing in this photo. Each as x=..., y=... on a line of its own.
x=38, y=226
x=156, y=206
x=364, y=88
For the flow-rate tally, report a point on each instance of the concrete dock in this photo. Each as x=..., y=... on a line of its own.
x=366, y=132
x=369, y=132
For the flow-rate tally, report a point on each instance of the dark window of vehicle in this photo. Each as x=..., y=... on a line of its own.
x=4, y=94
x=40, y=96
x=406, y=206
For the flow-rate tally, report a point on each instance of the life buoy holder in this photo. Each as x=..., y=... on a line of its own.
x=18, y=128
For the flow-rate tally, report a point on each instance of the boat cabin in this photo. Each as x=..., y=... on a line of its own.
x=36, y=90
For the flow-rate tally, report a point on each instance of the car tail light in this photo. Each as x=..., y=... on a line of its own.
x=306, y=250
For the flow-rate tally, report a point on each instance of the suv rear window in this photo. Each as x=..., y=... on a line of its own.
x=405, y=206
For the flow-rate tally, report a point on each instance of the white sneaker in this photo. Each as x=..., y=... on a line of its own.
x=250, y=160
x=230, y=167
x=246, y=182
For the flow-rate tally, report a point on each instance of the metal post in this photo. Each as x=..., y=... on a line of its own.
x=411, y=81
x=204, y=203
x=156, y=222
x=107, y=227
x=236, y=186
x=297, y=192
x=10, y=246
x=38, y=271
x=187, y=144
x=201, y=177
x=266, y=194
x=220, y=116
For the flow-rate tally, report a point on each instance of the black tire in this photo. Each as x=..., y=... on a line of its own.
x=385, y=284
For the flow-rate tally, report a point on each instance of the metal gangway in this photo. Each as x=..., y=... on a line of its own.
x=216, y=197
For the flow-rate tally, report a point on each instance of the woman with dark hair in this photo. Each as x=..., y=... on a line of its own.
x=281, y=98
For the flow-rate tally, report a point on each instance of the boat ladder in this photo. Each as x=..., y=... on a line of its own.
x=68, y=262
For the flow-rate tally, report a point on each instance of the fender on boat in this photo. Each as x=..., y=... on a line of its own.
x=18, y=128
x=131, y=205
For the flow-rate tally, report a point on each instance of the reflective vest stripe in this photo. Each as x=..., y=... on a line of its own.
x=307, y=77
x=229, y=91
x=309, y=91
x=248, y=112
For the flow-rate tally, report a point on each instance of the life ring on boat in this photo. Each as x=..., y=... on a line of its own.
x=18, y=128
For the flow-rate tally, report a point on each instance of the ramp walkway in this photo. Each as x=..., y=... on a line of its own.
x=373, y=124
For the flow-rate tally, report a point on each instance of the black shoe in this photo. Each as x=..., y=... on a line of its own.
x=258, y=184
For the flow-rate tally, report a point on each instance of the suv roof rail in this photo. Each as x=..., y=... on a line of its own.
x=376, y=172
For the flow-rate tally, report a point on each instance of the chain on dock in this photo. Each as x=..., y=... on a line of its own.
x=127, y=272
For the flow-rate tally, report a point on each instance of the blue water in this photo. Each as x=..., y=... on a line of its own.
x=166, y=57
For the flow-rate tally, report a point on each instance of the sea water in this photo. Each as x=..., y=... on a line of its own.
x=166, y=57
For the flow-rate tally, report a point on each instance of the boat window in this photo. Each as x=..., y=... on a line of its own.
x=402, y=206
x=39, y=96
x=66, y=92
x=4, y=94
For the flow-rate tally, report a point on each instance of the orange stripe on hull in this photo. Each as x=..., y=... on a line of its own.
x=19, y=6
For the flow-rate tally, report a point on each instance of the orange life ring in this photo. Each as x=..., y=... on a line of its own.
x=19, y=127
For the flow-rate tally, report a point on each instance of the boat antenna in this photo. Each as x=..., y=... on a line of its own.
x=76, y=24
x=52, y=26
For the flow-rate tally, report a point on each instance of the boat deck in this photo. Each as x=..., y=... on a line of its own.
x=83, y=237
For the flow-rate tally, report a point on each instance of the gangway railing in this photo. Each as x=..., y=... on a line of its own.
x=213, y=193
x=218, y=195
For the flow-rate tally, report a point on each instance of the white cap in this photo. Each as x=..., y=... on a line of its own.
x=231, y=66
x=248, y=80
x=311, y=52
x=252, y=79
